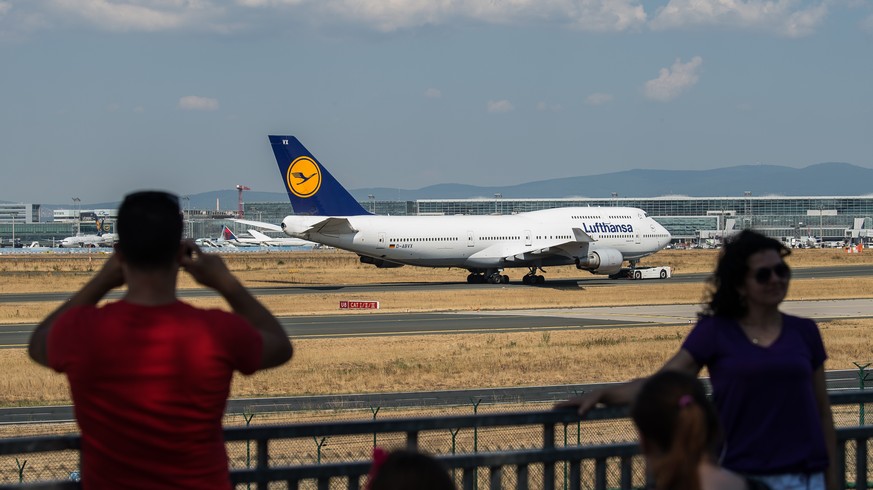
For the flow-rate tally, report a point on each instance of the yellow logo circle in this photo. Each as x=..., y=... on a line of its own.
x=303, y=177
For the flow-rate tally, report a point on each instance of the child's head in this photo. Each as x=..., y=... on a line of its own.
x=407, y=470
x=677, y=427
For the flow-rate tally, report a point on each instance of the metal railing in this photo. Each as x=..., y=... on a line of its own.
x=544, y=464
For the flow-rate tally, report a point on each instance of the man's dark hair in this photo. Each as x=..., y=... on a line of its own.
x=149, y=228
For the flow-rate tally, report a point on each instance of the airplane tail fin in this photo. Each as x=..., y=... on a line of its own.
x=311, y=188
x=227, y=235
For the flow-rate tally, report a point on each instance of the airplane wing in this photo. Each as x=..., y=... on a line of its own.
x=259, y=224
x=521, y=253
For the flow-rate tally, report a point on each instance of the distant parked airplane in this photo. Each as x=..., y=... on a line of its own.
x=100, y=239
x=599, y=240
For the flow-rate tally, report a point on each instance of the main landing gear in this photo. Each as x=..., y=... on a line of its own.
x=490, y=276
x=532, y=278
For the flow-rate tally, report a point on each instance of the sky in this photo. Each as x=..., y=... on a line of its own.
x=102, y=97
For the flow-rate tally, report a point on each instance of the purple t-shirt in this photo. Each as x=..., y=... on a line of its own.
x=764, y=395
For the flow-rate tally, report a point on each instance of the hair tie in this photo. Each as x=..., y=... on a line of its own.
x=685, y=400
x=379, y=457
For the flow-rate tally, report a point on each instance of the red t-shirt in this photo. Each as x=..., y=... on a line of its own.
x=149, y=387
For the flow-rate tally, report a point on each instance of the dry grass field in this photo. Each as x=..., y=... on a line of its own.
x=430, y=362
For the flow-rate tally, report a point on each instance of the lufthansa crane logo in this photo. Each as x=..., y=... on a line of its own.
x=303, y=177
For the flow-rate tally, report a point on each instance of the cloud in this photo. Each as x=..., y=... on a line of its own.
x=674, y=80
x=196, y=103
x=433, y=93
x=783, y=17
x=499, y=106
x=131, y=15
x=598, y=99
x=386, y=16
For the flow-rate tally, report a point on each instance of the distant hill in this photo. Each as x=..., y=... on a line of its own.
x=823, y=179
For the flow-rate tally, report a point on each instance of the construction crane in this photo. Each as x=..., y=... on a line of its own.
x=240, y=188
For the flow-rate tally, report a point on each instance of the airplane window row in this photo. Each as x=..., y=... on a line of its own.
x=500, y=238
x=621, y=216
x=550, y=237
x=432, y=239
x=585, y=217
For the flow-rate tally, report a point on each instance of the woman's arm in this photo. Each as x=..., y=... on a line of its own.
x=624, y=393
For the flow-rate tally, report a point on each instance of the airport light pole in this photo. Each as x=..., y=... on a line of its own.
x=76, y=202
x=187, y=200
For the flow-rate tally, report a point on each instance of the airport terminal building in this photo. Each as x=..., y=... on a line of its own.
x=688, y=219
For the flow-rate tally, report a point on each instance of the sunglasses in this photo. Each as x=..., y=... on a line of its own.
x=782, y=271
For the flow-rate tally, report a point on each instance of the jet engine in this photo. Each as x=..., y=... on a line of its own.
x=381, y=264
x=601, y=261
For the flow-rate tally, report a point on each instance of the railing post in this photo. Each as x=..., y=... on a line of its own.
x=476, y=440
x=565, y=462
x=548, y=468
x=263, y=466
x=862, y=377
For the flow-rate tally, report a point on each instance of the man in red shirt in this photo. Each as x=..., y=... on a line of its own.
x=149, y=374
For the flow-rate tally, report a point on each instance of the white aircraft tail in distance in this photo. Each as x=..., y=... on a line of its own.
x=596, y=239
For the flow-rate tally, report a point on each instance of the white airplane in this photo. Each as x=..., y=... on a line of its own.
x=100, y=239
x=596, y=239
x=265, y=239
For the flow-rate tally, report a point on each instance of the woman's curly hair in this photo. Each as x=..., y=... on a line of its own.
x=724, y=297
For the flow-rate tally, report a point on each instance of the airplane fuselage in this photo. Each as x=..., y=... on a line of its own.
x=533, y=239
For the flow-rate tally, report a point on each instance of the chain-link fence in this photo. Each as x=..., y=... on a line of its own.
x=317, y=449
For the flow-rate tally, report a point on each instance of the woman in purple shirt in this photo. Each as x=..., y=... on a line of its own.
x=766, y=370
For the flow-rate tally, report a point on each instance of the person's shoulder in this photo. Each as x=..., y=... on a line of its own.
x=713, y=321
x=800, y=322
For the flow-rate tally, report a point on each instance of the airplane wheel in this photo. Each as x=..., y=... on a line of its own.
x=471, y=279
x=540, y=279
x=525, y=280
x=504, y=280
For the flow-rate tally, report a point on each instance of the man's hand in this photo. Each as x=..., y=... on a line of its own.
x=111, y=275
x=210, y=271
x=207, y=269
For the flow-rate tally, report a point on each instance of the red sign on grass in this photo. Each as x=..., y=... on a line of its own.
x=359, y=305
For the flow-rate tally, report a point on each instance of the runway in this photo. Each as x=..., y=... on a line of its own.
x=288, y=288
x=382, y=324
